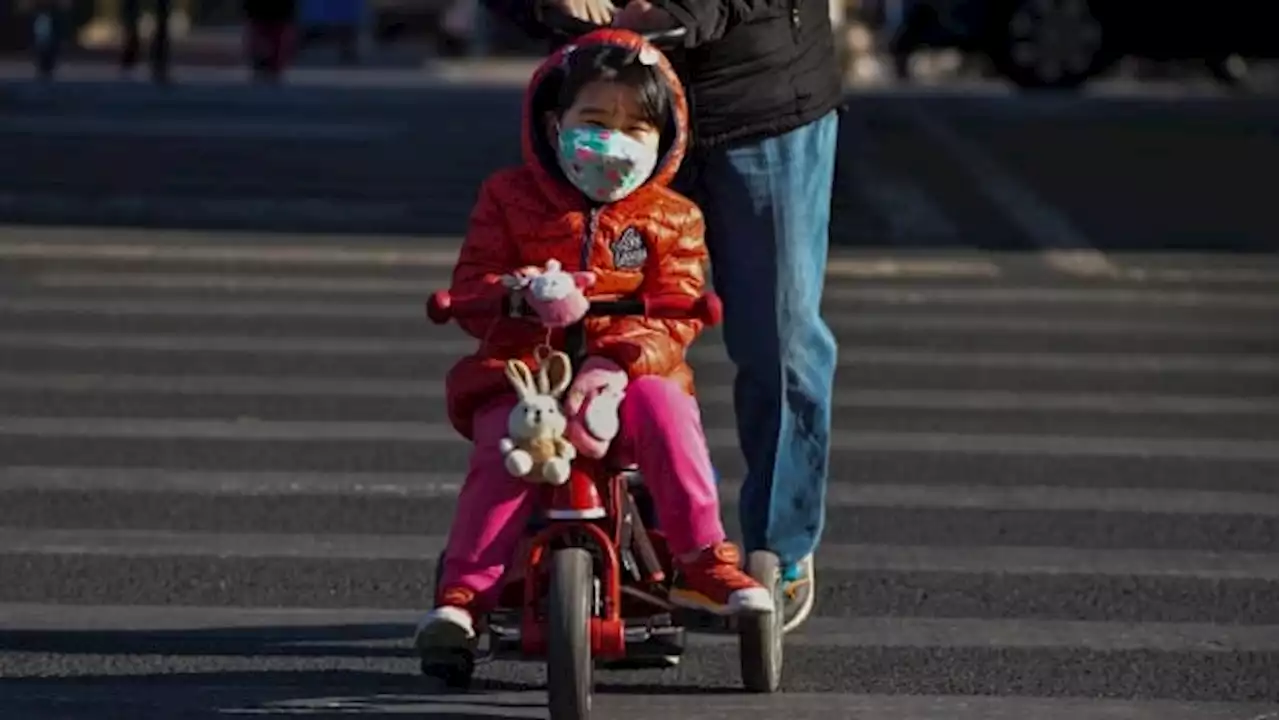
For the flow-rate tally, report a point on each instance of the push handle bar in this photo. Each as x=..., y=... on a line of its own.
x=566, y=26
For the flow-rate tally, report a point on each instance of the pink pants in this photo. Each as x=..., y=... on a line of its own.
x=661, y=433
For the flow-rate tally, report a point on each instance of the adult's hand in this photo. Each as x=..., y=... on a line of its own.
x=643, y=16
x=596, y=12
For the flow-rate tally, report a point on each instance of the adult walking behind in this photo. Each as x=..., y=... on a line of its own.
x=764, y=87
x=49, y=27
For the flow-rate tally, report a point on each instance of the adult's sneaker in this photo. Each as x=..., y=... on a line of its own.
x=797, y=594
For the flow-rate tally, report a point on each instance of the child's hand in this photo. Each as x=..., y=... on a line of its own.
x=519, y=279
x=591, y=406
x=643, y=16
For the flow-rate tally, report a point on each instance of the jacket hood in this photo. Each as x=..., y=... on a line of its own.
x=542, y=95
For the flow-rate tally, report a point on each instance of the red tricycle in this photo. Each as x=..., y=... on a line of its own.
x=591, y=581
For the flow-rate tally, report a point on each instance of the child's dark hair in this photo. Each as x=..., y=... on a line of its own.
x=611, y=63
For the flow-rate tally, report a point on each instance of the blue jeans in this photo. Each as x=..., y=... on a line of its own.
x=768, y=210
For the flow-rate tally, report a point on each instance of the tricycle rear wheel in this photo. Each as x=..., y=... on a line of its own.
x=569, y=606
x=760, y=636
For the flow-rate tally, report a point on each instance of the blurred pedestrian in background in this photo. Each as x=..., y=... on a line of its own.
x=131, y=48
x=48, y=28
x=270, y=36
x=764, y=84
x=460, y=28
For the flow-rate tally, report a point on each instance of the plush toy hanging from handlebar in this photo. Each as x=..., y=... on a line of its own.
x=555, y=295
x=536, y=447
x=541, y=439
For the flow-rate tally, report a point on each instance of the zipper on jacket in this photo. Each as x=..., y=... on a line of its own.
x=588, y=236
x=795, y=15
x=575, y=336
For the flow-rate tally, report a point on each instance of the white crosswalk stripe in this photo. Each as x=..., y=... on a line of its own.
x=171, y=498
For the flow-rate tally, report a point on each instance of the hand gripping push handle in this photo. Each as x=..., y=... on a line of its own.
x=444, y=307
x=566, y=26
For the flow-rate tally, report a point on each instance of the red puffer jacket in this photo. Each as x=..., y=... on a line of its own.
x=649, y=242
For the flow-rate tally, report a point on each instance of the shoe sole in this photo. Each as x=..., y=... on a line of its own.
x=695, y=601
x=442, y=637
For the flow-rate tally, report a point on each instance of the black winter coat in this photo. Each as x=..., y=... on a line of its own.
x=752, y=68
x=756, y=68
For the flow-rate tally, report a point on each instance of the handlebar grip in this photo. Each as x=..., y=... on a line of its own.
x=708, y=308
x=440, y=307
x=666, y=38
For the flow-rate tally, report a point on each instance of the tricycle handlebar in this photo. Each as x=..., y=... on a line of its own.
x=443, y=306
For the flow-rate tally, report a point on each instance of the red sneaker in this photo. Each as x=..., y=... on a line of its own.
x=456, y=596
x=714, y=582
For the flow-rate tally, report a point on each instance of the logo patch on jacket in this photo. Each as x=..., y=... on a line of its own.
x=629, y=251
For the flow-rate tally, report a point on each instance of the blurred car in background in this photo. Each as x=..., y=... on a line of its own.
x=1065, y=43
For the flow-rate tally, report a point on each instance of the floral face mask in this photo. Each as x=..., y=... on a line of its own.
x=606, y=165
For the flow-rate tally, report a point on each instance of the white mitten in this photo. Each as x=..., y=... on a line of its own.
x=600, y=415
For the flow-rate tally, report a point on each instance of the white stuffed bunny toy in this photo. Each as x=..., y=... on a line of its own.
x=535, y=447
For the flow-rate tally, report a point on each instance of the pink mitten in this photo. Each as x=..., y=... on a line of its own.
x=591, y=406
x=557, y=295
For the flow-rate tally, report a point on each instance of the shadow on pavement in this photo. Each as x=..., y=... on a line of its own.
x=210, y=696
x=317, y=693
x=1061, y=172
x=942, y=171
x=347, y=640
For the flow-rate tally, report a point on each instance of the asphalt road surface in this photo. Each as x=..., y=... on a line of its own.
x=224, y=472
x=1130, y=170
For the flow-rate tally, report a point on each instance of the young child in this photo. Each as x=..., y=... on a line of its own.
x=605, y=131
